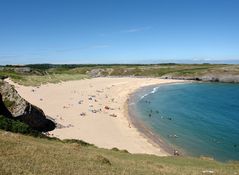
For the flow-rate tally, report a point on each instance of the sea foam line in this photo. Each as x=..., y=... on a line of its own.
x=152, y=92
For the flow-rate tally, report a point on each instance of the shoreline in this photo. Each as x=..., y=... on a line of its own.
x=153, y=138
x=146, y=133
x=186, y=148
x=100, y=128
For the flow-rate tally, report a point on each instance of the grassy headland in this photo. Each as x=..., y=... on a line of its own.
x=44, y=73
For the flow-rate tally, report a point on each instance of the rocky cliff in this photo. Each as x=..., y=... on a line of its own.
x=3, y=109
x=12, y=105
x=206, y=78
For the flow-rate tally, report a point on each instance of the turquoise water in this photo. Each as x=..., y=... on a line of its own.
x=199, y=119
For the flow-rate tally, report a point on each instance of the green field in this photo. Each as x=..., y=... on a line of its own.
x=20, y=154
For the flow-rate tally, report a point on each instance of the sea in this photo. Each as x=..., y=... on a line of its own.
x=196, y=119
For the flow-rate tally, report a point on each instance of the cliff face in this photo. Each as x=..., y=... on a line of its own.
x=3, y=110
x=206, y=78
x=13, y=101
x=13, y=105
x=35, y=118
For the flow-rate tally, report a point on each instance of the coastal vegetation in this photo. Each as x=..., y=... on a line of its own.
x=49, y=73
x=26, y=151
x=21, y=154
x=16, y=126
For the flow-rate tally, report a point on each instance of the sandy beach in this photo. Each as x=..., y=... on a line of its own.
x=94, y=110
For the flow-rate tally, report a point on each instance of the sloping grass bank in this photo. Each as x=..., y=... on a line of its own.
x=37, y=80
x=20, y=154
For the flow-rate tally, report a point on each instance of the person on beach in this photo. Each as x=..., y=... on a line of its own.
x=176, y=153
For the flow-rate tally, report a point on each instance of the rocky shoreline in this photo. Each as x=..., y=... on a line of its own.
x=207, y=78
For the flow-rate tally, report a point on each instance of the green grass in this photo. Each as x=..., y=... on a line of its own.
x=42, y=74
x=21, y=154
x=37, y=80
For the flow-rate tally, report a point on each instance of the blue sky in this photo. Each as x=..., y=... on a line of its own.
x=118, y=31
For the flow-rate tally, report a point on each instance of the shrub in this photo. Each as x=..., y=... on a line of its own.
x=80, y=142
x=102, y=160
x=12, y=125
x=20, y=127
x=115, y=149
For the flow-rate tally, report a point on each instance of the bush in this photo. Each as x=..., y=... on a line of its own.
x=12, y=125
x=80, y=142
x=115, y=149
x=102, y=160
x=20, y=127
x=5, y=124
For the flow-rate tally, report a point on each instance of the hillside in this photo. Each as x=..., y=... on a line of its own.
x=44, y=73
x=21, y=154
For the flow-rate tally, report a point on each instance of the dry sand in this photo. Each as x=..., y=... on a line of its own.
x=67, y=102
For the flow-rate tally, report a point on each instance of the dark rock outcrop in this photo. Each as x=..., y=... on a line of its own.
x=35, y=117
x=22, y=110
x=206, y=78
x=3, y=110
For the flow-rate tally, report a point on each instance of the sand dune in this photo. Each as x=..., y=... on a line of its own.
x=94, y=110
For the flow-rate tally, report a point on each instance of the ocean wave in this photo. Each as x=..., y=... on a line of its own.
x=152, y=92
x=143, y=96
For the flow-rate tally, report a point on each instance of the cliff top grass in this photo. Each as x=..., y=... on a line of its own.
x=37, y=80
x=35, y=75
x=20, y=154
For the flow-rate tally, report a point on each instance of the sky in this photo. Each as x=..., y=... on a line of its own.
x=118, y=31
